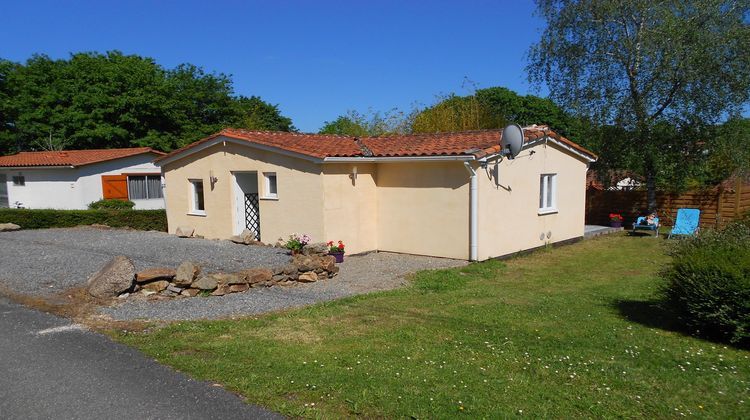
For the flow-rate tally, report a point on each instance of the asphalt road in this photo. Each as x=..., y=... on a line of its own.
x=50, y=369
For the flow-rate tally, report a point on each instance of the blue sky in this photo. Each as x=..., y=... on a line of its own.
x=315, y=59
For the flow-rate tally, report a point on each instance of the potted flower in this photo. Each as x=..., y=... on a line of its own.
x=296, y=242
x=615, y=220
x=337, y=250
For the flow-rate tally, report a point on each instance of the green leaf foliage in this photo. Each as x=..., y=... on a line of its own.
x=112, y=204
x=113, y=100
x=496, y=107
x=660, y=73
x=708, y=283
x=45, y=219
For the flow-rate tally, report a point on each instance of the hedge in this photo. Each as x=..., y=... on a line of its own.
x=43, y=219
x=708, y=283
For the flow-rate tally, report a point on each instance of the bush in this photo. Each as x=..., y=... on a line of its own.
x=44, y=219
x=708, y=283
x=112, y=205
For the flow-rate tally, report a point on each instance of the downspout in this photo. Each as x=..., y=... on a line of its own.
x=473, y=212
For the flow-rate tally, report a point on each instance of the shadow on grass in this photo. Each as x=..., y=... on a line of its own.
x=650, y=313
x=653, y=313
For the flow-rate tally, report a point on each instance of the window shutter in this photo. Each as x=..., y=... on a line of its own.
x=115, y=187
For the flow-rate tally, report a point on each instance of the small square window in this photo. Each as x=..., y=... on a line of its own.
x=19, y=180
x=270, y=189
x=548, y=193
x=197, y=205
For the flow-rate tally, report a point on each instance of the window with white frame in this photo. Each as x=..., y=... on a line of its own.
x=269, y=185
x=196, y=203
x=144, y=187
x=548, y=193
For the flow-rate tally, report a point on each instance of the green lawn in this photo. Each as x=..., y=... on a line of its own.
x=565, y=332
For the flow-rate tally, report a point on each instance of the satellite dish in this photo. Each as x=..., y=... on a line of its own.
x=512, y=140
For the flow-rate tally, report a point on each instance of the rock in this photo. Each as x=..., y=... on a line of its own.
x=221, y=290
x=290, y=269
x=278, y=278
x=156, y=286
x=256, y=275
x=328, y=262
x=114, y=278
x=247, y=237
x=308, y=277
x=184, y=231
x=238, y=288
x=99, y=226
x=186, y=273
x=306, y=262
x=123, y=296
x=152, y=274
x=205, y=283
x=175, y=289
x=319, y=248
x=146, y=292
x=7, y=227
x=167, y=293
x=334, y=271
x=190, y=292
x=279, y=269
x=230, y=278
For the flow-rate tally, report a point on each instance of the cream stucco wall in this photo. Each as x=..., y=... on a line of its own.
x=409, y=207
x=298, y=209
x=423, y=208
x=509, y=220
x=350, y=210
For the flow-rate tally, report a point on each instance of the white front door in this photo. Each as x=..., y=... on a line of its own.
x=244, y=183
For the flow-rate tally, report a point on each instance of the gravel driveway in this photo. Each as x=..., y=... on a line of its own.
x=44, y=262
x=51, y=260
x=359, y=274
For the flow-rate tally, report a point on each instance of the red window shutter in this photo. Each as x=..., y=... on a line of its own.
x=115, y=187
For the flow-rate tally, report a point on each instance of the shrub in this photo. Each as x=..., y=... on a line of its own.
x=44, y=219
x=708, y=283
x=112, y=205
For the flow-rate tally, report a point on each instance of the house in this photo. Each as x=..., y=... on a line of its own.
x=72, y=179
x=446, y=194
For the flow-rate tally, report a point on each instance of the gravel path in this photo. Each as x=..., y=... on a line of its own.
x=359, y=274
x=51, y=260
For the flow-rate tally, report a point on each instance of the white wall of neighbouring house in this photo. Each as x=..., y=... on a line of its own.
x=68, y=188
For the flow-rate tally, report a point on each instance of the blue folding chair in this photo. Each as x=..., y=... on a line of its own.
x=686, y=222
x=640, y=224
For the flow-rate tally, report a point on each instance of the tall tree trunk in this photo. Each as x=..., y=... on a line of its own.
x=650, y=184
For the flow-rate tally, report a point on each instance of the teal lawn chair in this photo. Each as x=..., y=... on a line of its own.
x=640, y=224
x=686, y=223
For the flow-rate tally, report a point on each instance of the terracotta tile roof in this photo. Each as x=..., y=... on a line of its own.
x=71, y=157
x=314, y=145
x=477, y=143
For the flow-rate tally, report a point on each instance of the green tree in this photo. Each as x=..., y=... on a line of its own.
x=255, y=114
x=641, y=66
x=496, y=107
x=373, y=123
x=111, y=100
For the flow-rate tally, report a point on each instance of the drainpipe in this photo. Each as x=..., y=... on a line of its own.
x=473, y=212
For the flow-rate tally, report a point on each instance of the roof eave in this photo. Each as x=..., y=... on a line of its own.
x=225, y=138
x=386, y=159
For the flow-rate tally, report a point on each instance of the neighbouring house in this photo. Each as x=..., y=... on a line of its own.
x=447, y=194
x=72, y=179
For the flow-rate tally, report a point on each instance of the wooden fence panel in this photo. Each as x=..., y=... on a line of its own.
x=719, y=205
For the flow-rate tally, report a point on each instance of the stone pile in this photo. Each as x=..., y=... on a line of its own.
x=118, y=277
